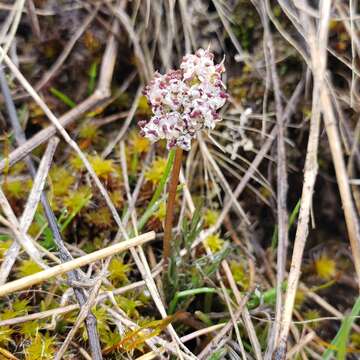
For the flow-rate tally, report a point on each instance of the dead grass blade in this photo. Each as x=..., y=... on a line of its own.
x=317, y=43
x=44, y=275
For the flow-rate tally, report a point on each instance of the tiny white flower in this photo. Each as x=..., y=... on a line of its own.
x=185, y=101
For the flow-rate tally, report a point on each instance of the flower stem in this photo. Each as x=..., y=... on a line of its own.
x=170, y=206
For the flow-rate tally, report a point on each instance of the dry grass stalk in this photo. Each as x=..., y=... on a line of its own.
x=317, y=45
x=281, y=184
x=44, y=275
x=300, y=345
x=84, y=312
x=34, y=21
x=9, y=35
x=170, y=37
x=64, y=254
x=220, y=335
x=65, y=309
x=245, y=314
x=350, y=212
x=20, y=228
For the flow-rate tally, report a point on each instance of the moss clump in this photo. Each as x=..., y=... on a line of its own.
x=119, y=271
x=79, y=198
x=101, y=218
x=28, y=267
x=17, y=189
x=210, y=217
x=138, y=144
x=214, y=242
x=89, y=133
x=325, y=267
x=61, y=180
x=312, y=315
x=240, y=274
x=103, y=168
x=5, y=335
x=41, y=347
x=156, y=170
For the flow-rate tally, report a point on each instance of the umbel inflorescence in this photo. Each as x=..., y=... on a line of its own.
x=185, y=101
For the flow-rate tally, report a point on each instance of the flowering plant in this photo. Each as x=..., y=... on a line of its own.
x=185, y=101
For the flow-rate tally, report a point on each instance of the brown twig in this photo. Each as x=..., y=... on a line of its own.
x=170, y=206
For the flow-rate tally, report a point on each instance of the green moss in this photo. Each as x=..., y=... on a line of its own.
x=28, y=267
x=41, y=347
x=62, y=180
x=101, y=218
x=17, y=189
x=325, y=267
x=143, y=106
x=210, y=217
x=138, y=144
x=214, y=242
x=312, y=315
x=156, y=170
x=29, y=329
x=161, y=212
x=89, y=132
x=240, y=274
x=5, y=335
x=116, y=197
x=119, y=271
x=129, y=305
x=78, y=198
x=4, y=246
x=102, y=167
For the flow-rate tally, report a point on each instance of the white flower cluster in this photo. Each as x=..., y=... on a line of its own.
x=185, y=101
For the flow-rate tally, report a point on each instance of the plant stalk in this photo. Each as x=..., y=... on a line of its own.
x=170, y=206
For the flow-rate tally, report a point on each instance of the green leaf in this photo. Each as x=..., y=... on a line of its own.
x=341, y=339
x=62, y=97
x=92, y=77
